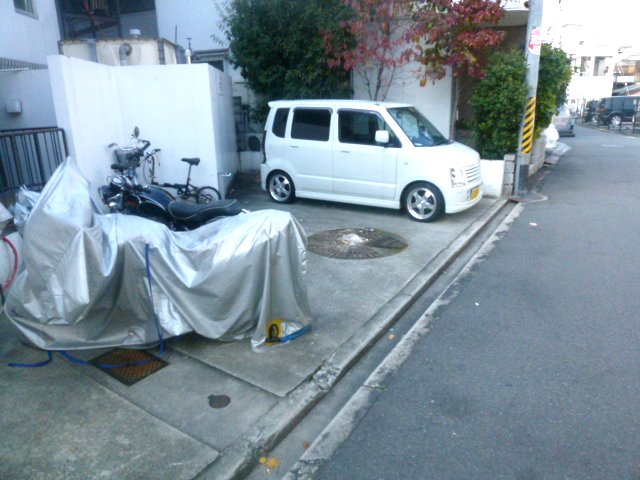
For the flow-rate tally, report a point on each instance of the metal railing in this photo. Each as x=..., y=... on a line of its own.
x=29, y=157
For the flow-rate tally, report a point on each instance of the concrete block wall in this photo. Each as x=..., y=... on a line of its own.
x=509, y=170
x=537, y=154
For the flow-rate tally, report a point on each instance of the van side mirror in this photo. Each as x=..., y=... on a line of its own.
x=382, y=136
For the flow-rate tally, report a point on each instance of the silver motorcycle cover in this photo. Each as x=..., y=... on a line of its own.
x=85, y=282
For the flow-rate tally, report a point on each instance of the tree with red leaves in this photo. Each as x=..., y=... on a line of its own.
x=372, y=42
x=382, y=35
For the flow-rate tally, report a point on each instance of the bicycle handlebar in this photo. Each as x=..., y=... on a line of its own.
x=146, y=145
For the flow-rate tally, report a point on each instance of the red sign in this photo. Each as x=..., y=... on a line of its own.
x=535, y=41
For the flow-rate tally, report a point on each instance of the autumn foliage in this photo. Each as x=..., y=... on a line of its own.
x=382, y=35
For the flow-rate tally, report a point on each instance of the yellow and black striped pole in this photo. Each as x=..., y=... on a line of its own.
x=525, y=137
x=529, y=124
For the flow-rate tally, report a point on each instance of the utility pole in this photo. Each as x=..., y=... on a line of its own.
x=525, y=138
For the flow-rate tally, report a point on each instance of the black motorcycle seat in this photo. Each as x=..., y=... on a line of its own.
x=119, y=167
x=191, y=161
x=199, y=214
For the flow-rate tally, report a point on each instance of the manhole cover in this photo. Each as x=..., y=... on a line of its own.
x=136, y=364
x=356, y=243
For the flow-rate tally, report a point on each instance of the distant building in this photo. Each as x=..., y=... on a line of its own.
x=600, y=41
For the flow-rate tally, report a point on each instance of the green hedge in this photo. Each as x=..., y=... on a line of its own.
x=498, y=102
x=554, y=75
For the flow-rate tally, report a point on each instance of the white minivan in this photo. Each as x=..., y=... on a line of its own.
x=368, y=153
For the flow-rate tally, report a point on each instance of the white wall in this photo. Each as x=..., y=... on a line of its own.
x=86, y=103
x=224, y=131
x=492, y=177
x=433, y=100
x=33, y=90
x=27, y=38
x=175, y=107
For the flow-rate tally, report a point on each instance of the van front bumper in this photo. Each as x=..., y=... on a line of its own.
x=462, y=198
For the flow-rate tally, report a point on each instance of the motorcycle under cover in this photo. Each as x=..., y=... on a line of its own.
x=85, y=285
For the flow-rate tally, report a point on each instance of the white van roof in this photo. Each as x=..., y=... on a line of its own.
x=337, y=103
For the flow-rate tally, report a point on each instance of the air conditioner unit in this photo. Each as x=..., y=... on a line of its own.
x=253, y=142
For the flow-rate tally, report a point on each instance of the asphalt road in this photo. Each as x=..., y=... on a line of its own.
x=532, y=371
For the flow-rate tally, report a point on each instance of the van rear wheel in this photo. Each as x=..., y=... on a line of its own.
x=423, y=202
x=616, y=120
x=280, y=187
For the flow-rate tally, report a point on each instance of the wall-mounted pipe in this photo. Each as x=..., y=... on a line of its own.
x=124, y=51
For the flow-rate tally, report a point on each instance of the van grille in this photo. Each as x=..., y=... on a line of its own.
x=472, y=173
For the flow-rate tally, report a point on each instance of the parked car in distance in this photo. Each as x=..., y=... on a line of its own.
x=564, y=121
x=615, y=110
x=368, y=153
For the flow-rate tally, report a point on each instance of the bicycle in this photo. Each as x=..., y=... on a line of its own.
x=202, y=195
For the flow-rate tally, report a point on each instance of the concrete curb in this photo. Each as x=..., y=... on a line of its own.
x=238, y=459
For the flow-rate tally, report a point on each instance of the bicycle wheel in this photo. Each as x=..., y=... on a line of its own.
x=207, y=195
x=10, y=253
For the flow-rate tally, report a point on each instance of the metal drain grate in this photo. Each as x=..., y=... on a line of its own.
x=140, y=364
x=356, y=243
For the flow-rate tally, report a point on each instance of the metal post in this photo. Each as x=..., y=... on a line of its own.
x=525, y=138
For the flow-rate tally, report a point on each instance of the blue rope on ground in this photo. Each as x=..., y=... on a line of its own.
x=294, y=335
x=73, y=359
x=33, y=365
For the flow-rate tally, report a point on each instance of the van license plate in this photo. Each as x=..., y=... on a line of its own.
x=475, y=192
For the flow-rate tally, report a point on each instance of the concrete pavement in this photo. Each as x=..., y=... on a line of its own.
x=69, y=421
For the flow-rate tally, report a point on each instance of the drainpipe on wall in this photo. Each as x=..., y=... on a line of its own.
x=93, y=52
x=124, y=51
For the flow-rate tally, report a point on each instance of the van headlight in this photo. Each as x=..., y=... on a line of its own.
x=457, y=177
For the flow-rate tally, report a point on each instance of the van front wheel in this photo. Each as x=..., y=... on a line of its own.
x=280, y=187
x=423, y=202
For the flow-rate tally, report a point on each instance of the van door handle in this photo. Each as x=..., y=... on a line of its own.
x=345, y=151
x=294, y=146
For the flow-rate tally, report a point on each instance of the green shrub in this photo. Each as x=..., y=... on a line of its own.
x=554, y=75
x=498, y=102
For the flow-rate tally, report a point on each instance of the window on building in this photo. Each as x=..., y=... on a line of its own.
x=600, y=68
x=24, y=6
x=105, y=19
x=311, y=124
x=137, y=6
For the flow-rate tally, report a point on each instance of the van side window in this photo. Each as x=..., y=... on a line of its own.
x=280, y=122
x=360, y=127
x=311, y=124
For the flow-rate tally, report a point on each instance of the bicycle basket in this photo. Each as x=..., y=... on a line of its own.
x=124, y=155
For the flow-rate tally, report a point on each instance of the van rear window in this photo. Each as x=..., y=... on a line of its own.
x=280, y=122
x=311, y=124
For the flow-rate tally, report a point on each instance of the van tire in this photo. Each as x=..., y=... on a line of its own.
x=280, y=187
x=616, y=120
x=423, y=201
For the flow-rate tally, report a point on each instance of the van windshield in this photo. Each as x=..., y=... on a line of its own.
x=420, y=131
